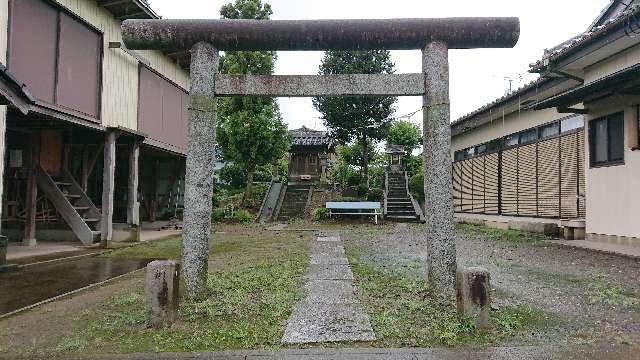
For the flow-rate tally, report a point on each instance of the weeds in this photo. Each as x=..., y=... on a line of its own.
x=514, y=237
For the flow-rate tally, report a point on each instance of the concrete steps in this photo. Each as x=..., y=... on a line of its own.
x=399, y=205
x=295, y=200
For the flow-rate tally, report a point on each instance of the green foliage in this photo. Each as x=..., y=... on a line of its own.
x=252, y=133
x=413, y=164
x=242, y=216
x=250, y=294
x=603, y=291
x=405, y=133
x=357, y=118
x=320, y=214
x=405, y=312
x=416, y=186
x=514, y=237
x=163, y=249
x=348, y=199
x=218, y=215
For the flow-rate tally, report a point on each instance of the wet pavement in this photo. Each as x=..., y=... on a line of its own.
x=30, y=285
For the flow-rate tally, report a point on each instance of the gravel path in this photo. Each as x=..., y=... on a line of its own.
x=564, y=282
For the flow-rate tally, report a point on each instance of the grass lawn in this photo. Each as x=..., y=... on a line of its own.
x=255, y=279
x=405, y=312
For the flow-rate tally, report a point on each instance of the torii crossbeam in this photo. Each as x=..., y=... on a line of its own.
x=205, y=38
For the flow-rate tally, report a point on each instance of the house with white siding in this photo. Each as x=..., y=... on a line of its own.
x=564, y=149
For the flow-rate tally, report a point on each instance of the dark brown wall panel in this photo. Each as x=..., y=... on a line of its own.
x=32, y=46
x=79, y=67
x=150, y=104
x=162, y=109
x=172, y=114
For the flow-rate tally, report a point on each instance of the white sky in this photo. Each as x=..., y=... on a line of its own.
x=477, y=76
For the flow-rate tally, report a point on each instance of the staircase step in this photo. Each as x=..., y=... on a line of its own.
x=62, y=183
x=90, y=220
x=71, y=196
x=81, y=208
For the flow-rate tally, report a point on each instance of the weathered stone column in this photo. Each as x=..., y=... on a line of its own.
x=437, y=168
x=108, y=186
x=133, y=206
x=199, y=170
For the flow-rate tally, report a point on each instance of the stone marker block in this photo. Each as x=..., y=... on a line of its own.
x=162, y=292
x=473, y=295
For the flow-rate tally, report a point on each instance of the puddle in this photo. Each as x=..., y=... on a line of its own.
x=30, y=285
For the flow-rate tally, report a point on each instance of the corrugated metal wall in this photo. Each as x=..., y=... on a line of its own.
x=541, y=179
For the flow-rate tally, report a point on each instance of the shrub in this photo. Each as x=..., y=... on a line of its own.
x=347, y=199
x=375, y=194
x=320, y=214
x=217, y=215
x=242, y=216
x=416, y=186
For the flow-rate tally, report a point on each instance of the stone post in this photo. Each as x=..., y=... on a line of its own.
x=108, y=187
x=473, y=295
x=162, y=283
x=199, y=170
x=437, y=168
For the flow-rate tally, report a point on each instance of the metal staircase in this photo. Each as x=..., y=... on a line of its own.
x=73, y=204
x=399, y=205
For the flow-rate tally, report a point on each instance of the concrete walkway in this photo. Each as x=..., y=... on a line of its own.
x=330, y=311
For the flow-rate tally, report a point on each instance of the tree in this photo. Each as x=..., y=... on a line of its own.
x=409, y=135
x=251, y=132
x=357, y=118
x=405, y=133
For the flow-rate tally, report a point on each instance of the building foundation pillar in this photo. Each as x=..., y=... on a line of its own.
x=108, y=185
x=133, y=205
x=199, y=169
x=29, y=238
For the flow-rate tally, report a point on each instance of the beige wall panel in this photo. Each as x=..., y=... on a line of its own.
x=512, y=123
x=120, y=70
x=613, y=64
x=613, y=193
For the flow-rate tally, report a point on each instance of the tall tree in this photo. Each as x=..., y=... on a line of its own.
x=357, y=118
x=252, y=132
x=405, y=133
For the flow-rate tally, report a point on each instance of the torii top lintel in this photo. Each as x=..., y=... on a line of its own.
x=292, y=35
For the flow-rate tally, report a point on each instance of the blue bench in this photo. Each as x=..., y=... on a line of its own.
x=355, y=208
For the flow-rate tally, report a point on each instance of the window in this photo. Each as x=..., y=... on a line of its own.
x=606, y=140
x=458, y=155
x=549, y=130
x=481, y=149
x=511, y=140
x=571, y=123
x=469, y=152
x=529, y=136
x=493, y=146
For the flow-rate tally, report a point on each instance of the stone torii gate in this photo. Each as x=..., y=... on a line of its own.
x=205, y=38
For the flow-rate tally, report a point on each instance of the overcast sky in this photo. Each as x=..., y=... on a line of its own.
x=477, y=76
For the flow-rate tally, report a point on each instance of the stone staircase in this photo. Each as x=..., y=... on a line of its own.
x=72, y=203
x=294, y=202
x=399, y=205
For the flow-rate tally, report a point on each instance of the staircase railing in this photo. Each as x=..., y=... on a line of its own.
x=386, y=192
x=64, y=207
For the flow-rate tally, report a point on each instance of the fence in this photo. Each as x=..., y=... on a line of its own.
x=544, y=178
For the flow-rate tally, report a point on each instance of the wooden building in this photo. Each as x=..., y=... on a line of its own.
x=95, y=133
x=566, y=145
x=310, y=156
